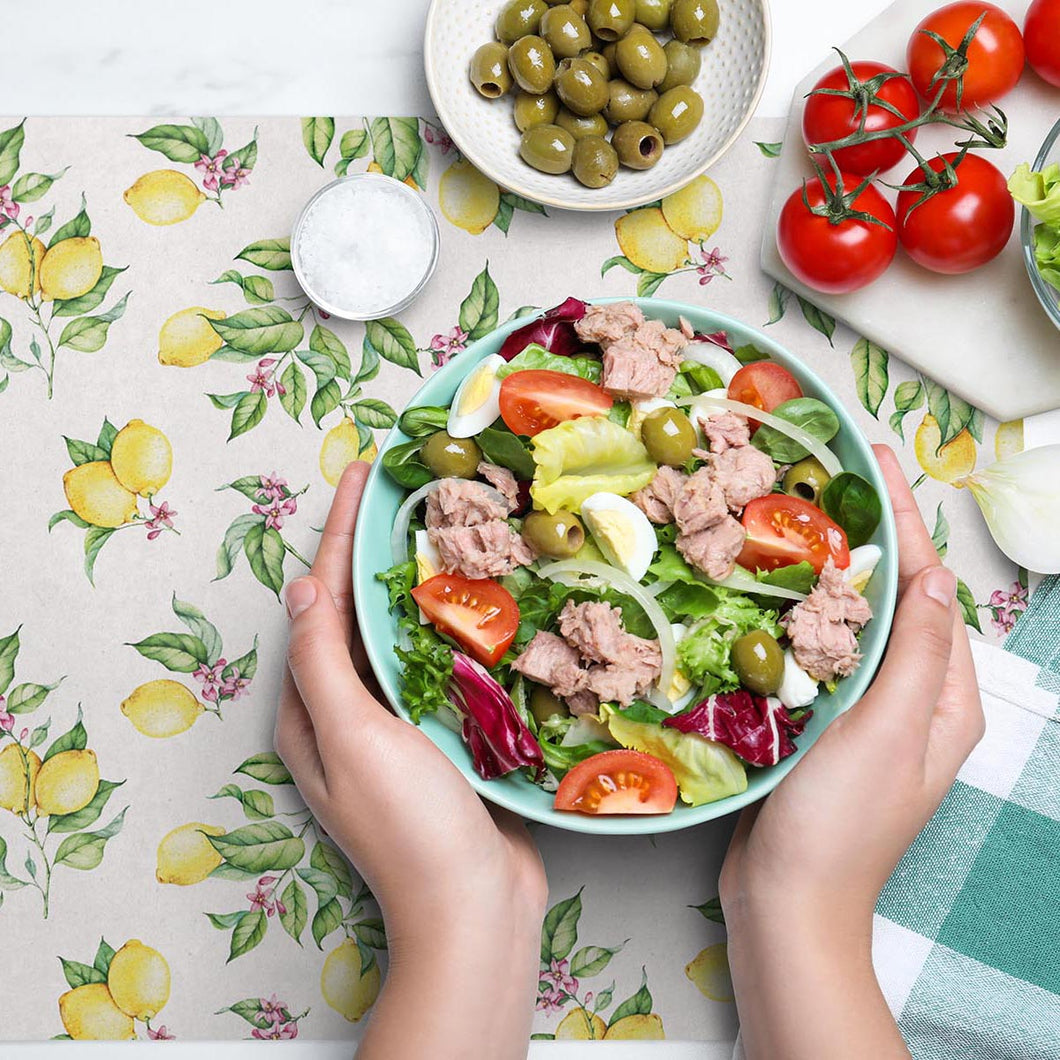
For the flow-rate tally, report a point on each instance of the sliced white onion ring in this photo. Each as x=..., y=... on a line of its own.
x=570, y=572
x=829, y=461
x=707, y=353
x=743, y=581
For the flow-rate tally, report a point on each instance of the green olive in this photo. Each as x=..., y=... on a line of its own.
x=530, y=110
x=641, y=60
x=683, y=63
x=544, y=705
x=758, y=661
x=611, y=19
x=695, y=21
x=518, y=18
x=489, y=70
x=638, y=144
x=595, y=162
x=449, y=457
x=610, y=53
x=581, y=87
x=626, y=102
x=669, y=437
x=566, y=32
x=677, y=113
x=559, y=536
x=807, y=479
x=547, y=148
x=532, y=64
x=581, y=7
x=579, y=127
x=655, y=14
x=599, y=60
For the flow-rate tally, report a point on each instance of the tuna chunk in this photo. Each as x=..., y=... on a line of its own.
x=743, y=474
x=503, y=481
x=714, y=551
x=726, y=430
x=822, y=628
x=632, y=373
x=666, y=343
x=460, y=502
x=604, y=324
x=484, y=550
x=630, y=679
x=701, y=503
x=657, y=499
x=551, y=661
x=584, y=702
x=595, y=630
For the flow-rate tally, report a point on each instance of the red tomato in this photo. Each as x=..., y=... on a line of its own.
x=995, y=55
x=618, y=782
x=783, y=530
x=480, y=615
x=836, y=257
x=1041, y=35
x=536, y=399
x=828, y=118
x=962, y=228
x=765, y=385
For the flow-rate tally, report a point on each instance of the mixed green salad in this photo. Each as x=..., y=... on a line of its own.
x=627, y=561
x=1040, y=193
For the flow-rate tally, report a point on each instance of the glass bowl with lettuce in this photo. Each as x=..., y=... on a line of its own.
x=1036, y=186
x=623, y=562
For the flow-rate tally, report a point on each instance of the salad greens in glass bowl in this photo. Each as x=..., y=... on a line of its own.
x=1037, y=188
x=624, y=562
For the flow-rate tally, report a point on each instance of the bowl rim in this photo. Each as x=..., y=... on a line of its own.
x=1048, y=296
x=683, y=816
x=467, y=148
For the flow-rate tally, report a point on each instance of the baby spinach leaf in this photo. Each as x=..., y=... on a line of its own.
x=403, y=464
x=855, y=505
x=424, y=421
x=507, y=450
x=813, y=416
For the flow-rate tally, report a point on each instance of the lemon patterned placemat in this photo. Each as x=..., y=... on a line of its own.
x=173, y=418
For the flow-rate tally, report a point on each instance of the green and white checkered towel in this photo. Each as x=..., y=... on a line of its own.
x=966, y=939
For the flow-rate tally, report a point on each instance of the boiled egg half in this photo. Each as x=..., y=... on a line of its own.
x=621, y=532
x=478, y=401
x=863, y=562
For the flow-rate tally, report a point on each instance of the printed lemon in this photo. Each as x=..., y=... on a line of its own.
x=468, y=199
x=375, y=167
x=709, y=971
x=13, y=775
x=142, y=458
x=161, y=708
x=71, y=268
x=186, y=856
x=67, y=782
x=19, y=268
x=95, y=494
x=164, y=197
x=1009, y=439
x=138, y=980
x=954, y=460
x=186, y=338
x=581, y=1026
x=695, y=211
x=345, y=989
x=639, y=1028
x=649, y=242
x=342, y=445
x=89, y=1014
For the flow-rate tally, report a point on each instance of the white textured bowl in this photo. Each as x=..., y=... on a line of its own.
x=731, y=81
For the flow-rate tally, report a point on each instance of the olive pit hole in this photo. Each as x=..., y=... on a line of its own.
x=805, y=491
x=648, y=146
x=491, y=89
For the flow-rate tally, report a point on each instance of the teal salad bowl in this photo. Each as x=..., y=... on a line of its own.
x=371, y=555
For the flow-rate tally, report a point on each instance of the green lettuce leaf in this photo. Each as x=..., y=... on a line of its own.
x=538, y=357
x=1039, y=192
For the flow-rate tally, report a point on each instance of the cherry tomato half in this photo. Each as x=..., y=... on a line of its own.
x=765, y=385
x=480, y=615
x=1041, y=35
x=534, y=400
x=827, y=118
x=995, y=55
x=837, y=258
x=960, y=229
x=783, y=530
x=615, y=782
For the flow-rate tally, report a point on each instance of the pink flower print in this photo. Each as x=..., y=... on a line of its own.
x=277, y=1032
x=550, y=1000
x=7, y=720
x=212, y=168
x=160, y=1035
x=273, y=487
x=261, y=378
x=261, y=899
x=559, y=975
x=161, y=519
x=272, y=1008
x=440, y=139
x=234, y=687
x=210, y=676
x=444, y=347
x=235, y=176
x=713, y=265
x=8, y=207
x=1006, y=606
x=276, y=512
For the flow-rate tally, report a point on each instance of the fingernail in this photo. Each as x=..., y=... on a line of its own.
x=941, y=585
x=300, y=594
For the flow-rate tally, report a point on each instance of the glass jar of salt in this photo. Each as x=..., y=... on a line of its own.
x=364, y=246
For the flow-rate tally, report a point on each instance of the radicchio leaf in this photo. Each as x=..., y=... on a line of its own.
x=555, y=331
x=498, y=739
x=716, y=338
x=759, y=730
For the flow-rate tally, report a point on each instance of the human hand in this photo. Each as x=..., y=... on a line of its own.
x=805, y=867
x=461, y=887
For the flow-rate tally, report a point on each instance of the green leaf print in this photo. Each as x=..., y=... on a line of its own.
x=770, y=150
x=393, y=342
x=817, y=318
x=940, y=536
x=180, y=653
x=87, y=815
x=84, y=850
x=257, y=805
x=257, y=290
x=591, y=960
x=267, y=846
x=296, y=912
x=179, y=143
x=266, y=767
x=327, y=858
x=78, y=974
x=104, y=955
x=396, y=145
x=201, y=626
x=8, y=654
x=560, y=929
x=247, y=934
x=637, y=1005
x=26, y=698
x=293, y=398
x=264, y=550
x=89, y=334
x=260, y=331
x=870, y=363
x=478, y=312
x=233, y=543
x=325, y=342
x=248, y=412
x=33, y=186
x=375, y=413
x=325, y=400
x=211, y=129
x=969, y=610
x=80, y=225
x=326, y=919
x=74, y=739
x=907, y=397
x=72, y=307
x=271, y=254
x=11, y=141
x=317, y=134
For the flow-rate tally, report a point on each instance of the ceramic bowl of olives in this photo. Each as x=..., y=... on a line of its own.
x=595, y=104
